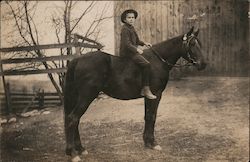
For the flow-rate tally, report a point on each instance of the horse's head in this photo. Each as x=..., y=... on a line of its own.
x=192, y=47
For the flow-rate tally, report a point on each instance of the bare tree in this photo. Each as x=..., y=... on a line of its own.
x=65, y=23
x=69, y=25
x=28, y=31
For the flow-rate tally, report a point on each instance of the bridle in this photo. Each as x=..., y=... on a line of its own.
x=186, y=45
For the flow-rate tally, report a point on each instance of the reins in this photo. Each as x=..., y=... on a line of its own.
x=166, y=61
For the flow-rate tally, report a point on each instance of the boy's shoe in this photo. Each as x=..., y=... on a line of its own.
x=146, y=92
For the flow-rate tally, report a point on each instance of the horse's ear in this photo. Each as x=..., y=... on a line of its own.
x=197, y=32
x=190, y=31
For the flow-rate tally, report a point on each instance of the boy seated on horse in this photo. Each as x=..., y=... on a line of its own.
x=129, y=48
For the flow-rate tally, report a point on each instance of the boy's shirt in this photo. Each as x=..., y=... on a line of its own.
x=129, y=41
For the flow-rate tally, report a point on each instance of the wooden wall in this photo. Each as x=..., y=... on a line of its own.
x=223, y=30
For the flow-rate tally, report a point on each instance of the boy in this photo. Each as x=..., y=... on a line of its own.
x=129, y=48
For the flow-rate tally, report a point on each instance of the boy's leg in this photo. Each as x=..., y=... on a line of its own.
x=145, y=64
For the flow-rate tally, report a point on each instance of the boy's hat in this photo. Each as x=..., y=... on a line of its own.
x=124, y=14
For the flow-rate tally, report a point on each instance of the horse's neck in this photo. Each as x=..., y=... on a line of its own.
x=170, y=50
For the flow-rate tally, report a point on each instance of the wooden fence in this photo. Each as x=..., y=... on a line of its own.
x=20, y=102
x=39, y=99
x=223, y=24
x=96, y=45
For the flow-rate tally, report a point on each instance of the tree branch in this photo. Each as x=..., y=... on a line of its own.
x=97, y=22
x=28, y=23
x=17, y=24
x=84, y=13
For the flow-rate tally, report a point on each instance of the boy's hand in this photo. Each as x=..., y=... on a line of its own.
x=148, y=45
x=139, y=51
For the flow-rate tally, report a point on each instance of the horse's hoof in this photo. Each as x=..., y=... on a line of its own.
x=85, y=152
x=157, y=147
x=76, y=159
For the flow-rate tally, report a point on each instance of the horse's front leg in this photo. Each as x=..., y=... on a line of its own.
x=151, y=107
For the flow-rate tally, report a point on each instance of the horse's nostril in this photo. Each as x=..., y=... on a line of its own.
x=203, y=66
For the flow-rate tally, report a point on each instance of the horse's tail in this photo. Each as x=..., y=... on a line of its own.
x=70, y=93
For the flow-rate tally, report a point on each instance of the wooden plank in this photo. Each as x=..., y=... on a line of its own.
x=234, y=60
x=175, y=19
x=164, y=20
x=51, y=103
x=22, y=94
x=16, y=98
x=205, y=34
x=8, y=101
x=138, y=26
x=87, y=39
x=170, y=19
x=5, y=87
x=152, y=24
x=117, y=25
x=24, y=102
x=18, y=107
x=51, y=94
x=50, y=46
x=222, y=60
x=146, y=27
x=52, y=99
x=26, y=72
x=159, y=21
x=29, y=94
x=28, y=100
x=17, y=102
x=41, y=59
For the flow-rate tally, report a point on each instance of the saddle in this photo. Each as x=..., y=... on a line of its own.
x=124, y=66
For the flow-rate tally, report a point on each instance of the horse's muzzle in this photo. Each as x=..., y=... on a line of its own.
x=200, y=65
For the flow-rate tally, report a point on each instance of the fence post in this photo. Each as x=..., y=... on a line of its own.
x=8, y=99
x=6, y=88
x=77, y=49
x=41, y=99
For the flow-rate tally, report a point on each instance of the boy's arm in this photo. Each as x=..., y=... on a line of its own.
x=127, y=42
x=141, y=43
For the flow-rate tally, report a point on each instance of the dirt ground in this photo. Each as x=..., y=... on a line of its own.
x=199, y=119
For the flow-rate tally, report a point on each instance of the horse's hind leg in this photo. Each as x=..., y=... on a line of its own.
x=72, y=119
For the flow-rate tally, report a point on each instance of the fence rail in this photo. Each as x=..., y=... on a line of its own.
x=50, y=46
x=39, y=59
x=26, y=72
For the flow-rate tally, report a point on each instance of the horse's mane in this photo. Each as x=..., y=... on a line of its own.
x=169, y=41
x=168, y=44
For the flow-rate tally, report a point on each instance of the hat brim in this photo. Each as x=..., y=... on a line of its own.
x=124, y=14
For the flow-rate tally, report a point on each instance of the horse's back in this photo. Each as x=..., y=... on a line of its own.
x=116, y=76
x=91, y=67
x=91, y=60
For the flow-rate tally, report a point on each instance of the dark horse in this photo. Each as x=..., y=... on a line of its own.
x=121, y=78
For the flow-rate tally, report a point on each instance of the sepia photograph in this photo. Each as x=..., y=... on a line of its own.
x=124, y=81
